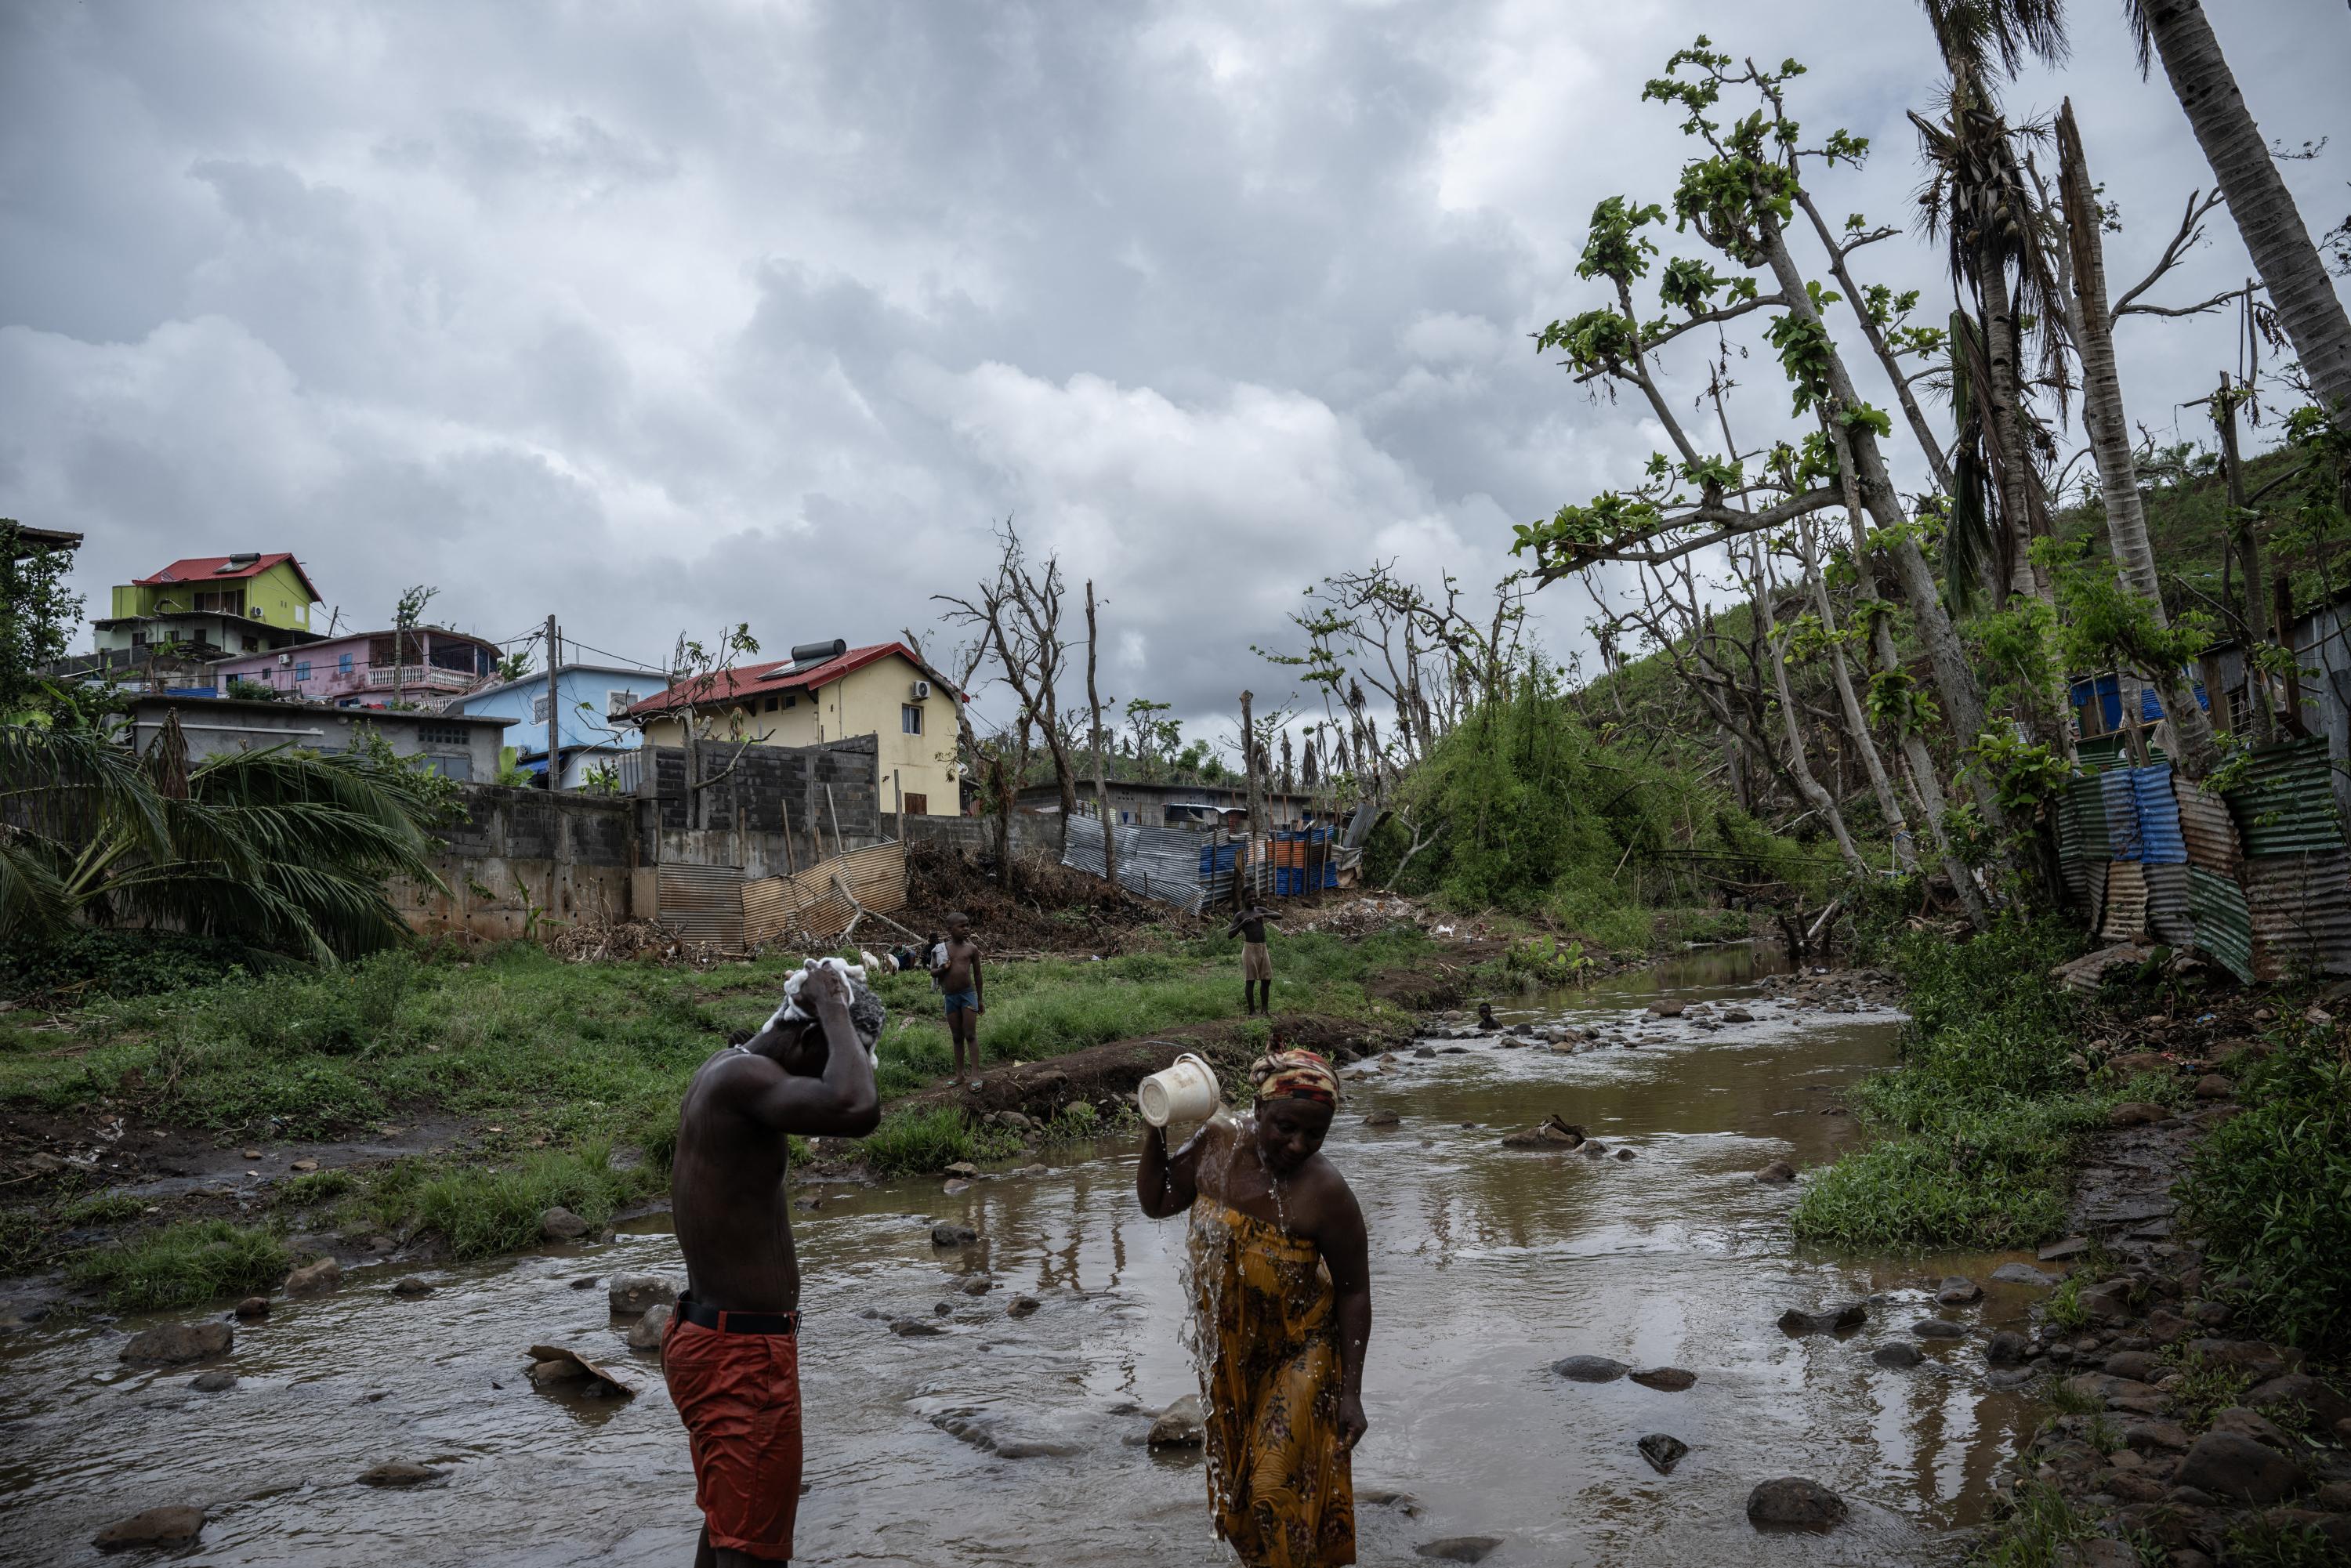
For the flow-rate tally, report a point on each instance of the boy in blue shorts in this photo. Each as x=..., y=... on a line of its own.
x=956, y=971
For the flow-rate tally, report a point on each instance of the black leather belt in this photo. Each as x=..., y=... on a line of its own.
x=725, y=1322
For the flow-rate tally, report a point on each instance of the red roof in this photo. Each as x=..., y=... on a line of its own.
x=208, y=568
x=745, y=682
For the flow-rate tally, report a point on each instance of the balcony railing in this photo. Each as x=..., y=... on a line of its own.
x=423, y=678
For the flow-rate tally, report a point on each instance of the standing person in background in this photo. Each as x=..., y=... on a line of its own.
x=1280, y=1265
x=956, y=969
x=731, y=1352
x=1257, y=959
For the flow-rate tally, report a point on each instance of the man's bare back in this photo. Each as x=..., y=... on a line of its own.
x=726, y=1179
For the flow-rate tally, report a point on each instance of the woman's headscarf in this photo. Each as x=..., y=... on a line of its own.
x=1294, y=1075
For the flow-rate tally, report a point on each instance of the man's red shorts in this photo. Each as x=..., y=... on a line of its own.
x=739, y=1396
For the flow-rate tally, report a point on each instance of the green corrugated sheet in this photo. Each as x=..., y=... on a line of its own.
x=2110, y=751
x=2086, y=803
x=2287, y=806
x=2225, y=922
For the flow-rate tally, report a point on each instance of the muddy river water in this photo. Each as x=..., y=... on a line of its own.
x=1488, y=1265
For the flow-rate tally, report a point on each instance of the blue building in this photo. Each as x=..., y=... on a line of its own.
x=589, y=702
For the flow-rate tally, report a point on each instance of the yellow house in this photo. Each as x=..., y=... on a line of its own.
x=830, y=691
x=215, y=603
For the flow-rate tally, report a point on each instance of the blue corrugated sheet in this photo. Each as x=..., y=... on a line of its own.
x=2109, y=697
x=2121, y=804
x=2160, y=841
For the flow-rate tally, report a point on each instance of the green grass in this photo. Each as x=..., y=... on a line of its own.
x=181, y=1265
x=1980, y=1125
x=2037, y=1531
x=2205, y=1388
x=105, y=1209
x=2271, y=1189
x=2257, y=1542
x=567, y=1060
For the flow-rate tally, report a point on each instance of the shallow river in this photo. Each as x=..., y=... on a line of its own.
x=1488, y=1265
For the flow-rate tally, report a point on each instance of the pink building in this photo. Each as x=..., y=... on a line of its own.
x=421, y=667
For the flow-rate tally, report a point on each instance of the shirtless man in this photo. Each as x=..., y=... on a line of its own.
x=1282, y=1276
x=958, y=979
x=1257, y=960
x=731, y=1352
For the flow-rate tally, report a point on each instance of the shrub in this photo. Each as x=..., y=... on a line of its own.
x=481, y=1212
x=181, y=1265
x=2271, y=1189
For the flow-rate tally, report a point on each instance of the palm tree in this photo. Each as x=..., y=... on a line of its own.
x=2290, y=267
x=280, y=849
x=2103, y=417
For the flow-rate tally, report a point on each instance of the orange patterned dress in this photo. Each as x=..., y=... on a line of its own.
x=1280, y=1481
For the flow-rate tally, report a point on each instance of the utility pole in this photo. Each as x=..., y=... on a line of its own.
x=554, y=752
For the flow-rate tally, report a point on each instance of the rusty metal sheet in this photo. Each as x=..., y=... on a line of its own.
x=2207, y=829
x=701, y=902
x=2168, y=920
x=2224, y=926
x=2159, y=840
x=814, y=903
x=2125, y=916
x=2286, y=805
x=2121, y=808
x=2300, y=914
x=1158, y=864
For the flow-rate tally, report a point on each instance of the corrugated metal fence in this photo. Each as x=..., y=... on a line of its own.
x=1159, y=863
x=1192, y=871
x=2258, y=879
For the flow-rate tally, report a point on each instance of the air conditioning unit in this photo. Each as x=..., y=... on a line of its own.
x=922, y=690
x=284, y=659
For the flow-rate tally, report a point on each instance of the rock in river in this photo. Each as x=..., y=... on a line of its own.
x=1663, y=1452
x=646, y=1332
x=1665, y=1379
x=212, y=1382
x=1958, y=1290
x=1588, y=1369
x=1792, y=1502
x=559, y=1224
x=253, y=1307
x=2008, y=1348
x=1939, y=1328
x=1020, y=1306
x=914, y=1327
x=323, y=1275
x=1179, y=1425
x=1829, y=1320
x=1665, y=1009
x=1459, y=1548
x=629, y=1295
x=1900, y=1353
x=398, y=1473
x=167, y=1344
x=1776, y=1172
x=2022, y=1274
x=943, y=1235
x=1383, y=1119
x=156, y=1527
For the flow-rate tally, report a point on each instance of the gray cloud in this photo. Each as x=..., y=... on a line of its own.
x=671, y=316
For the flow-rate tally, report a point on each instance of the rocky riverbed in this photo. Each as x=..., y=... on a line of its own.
x=1578, y=1357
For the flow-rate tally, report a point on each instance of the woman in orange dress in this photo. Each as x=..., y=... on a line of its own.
x=1281, y=1286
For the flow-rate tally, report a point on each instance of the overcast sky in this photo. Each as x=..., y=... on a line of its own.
x=662, y=317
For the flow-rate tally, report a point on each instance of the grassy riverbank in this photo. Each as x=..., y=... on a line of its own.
x=1979, y=1127
x=532, y=1073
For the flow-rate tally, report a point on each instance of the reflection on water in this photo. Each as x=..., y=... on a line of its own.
x=1488, y=1265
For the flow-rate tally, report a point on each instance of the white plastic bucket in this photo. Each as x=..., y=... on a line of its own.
x=1186, y=1091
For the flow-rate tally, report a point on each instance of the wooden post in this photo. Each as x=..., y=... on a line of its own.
x=554, y=747
x=2281, y=614
x=1101, y=776
x=898, y=799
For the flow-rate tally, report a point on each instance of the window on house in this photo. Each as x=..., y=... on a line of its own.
x=538, y=708
x=910, y=719
x=342, y=663
x=251, y=644
x=301, y=669
x=791, y=700
x=772, y=705
x=458, y=767
x=617, y=702
x=919, y=804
